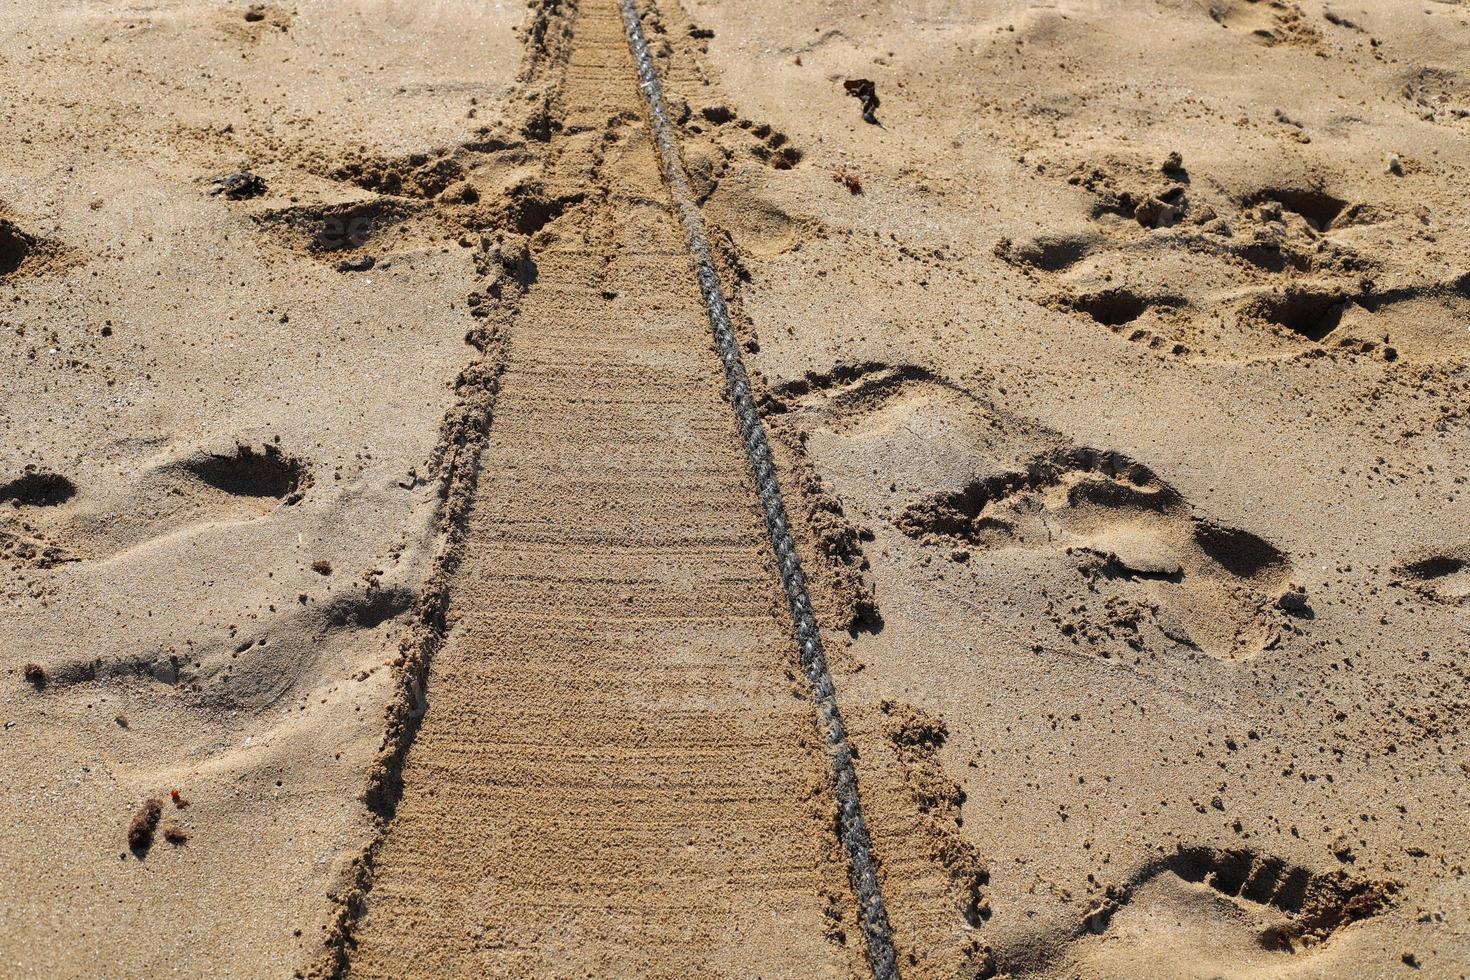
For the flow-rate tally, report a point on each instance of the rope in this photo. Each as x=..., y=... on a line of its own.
x=851, y=826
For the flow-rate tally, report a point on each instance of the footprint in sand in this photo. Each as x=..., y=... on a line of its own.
x=279, y=659
x=1220, y=590
x=1267, y=22
x=1203, y=912
x=1443, y=576
x=48, y=519
x=21, y=497
x=1123, y=523
x=23, y=253
x=1273, y=271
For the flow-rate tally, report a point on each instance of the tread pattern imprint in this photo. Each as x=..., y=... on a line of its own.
x=619, y=771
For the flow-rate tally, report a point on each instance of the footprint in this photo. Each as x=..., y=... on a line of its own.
x=1218, y=589
x=1204, y=912
x=37, y=488
x=1316, y=206
x=1049, y=253
x=55, y=523
x=24, y=253
x=1118, y=309
x=1268, y=22
x=1418, y=322
x=326, y=231
x=1308, y=312
x=258, y=671
x=1131, y=537
x=1442, y=577
x=1122, y=523
x=726, y=156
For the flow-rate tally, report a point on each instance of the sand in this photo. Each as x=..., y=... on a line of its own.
x=389, y=508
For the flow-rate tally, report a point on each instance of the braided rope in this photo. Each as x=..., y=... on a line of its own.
x=852, y=828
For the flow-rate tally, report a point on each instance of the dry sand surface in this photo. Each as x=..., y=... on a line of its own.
x=385, y=591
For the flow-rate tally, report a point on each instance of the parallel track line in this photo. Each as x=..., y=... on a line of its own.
x=852, y=827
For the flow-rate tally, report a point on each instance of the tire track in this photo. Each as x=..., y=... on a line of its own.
x=619, y=771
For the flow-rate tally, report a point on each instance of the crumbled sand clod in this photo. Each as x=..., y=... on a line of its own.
x=141, y=828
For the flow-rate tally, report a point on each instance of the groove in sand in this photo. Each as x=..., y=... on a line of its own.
x=619, y=770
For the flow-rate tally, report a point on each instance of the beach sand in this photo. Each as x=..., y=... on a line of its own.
x=369, y=500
